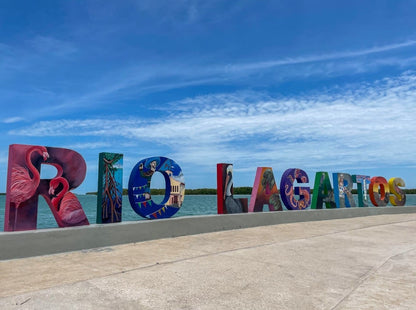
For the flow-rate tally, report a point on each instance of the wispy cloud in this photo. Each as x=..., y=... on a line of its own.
x=50, y=46
x=141, y=79
x=34, y=54
x=88, y=145
x=11, y=120
x=357, y=125
x=153, y=79
x=320, y=58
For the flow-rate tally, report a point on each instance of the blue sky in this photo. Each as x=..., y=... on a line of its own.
x=318, y=85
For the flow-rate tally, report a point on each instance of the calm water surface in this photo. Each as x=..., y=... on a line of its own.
x=193, y=205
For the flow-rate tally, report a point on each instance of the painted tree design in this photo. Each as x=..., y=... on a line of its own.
x=112, y=194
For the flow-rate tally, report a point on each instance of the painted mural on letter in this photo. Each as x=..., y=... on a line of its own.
x=226, y=203
x=379, y=191
x=24, y=186
x=288, y=191
x=323, y=192
x=362, y=189
x=110, y=188
x=139, y=188
x=343, y=190
x=397, y=195
x=264, y=191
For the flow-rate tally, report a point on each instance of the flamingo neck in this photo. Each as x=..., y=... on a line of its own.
x=54, y=182
x=29, y=164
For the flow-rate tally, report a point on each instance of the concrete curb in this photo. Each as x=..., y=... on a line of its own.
x=49, y=241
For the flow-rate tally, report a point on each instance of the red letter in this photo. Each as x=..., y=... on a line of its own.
x=24, y=186
x=379, y=191
x=226, y=203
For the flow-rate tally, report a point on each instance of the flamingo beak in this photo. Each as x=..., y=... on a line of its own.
x=51, y=191
x=45, y=156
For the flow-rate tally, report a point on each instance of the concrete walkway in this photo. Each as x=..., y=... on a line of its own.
x=360, y=263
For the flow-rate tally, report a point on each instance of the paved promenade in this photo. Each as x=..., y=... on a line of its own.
x=357, y=263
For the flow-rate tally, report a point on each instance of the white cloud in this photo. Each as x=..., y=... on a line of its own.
x=88, y=145
x=11, y=120
x=355, y=126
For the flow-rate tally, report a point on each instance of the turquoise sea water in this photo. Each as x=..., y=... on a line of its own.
x=193, y=205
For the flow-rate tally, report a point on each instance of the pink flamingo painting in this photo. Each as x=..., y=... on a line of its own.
x=66, y=203
x=23, y=185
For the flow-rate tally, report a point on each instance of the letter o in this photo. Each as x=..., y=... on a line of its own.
x=139, y=187
x=379, y=199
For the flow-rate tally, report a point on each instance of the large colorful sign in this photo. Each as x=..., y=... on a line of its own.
x=24, y=186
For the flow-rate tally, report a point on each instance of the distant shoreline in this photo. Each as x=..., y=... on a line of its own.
x=245, y=190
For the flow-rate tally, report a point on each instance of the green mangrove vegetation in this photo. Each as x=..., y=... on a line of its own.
x=244, y=190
